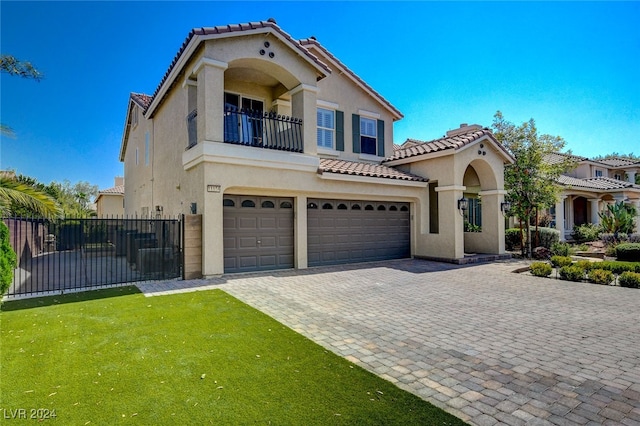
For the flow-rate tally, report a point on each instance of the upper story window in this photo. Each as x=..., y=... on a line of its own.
x=598, y=173
x=326, y=128
x=368, y=136
x=617, y=176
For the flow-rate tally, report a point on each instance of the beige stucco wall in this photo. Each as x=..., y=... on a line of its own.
x=110, y=205
x=138, y=191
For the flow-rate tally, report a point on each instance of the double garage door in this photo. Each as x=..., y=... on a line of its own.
x=258, y=232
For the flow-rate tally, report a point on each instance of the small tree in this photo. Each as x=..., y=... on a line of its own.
x=618, y=218
x=531, y=182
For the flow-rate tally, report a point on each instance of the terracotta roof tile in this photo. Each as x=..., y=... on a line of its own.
x=414, y=147
x=600, y=183
x=559, y=157
x=366, y=169
x=141, y=99
x=618, y=162
x=115, y=190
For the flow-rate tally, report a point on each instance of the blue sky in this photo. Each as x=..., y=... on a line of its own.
x=572, y=66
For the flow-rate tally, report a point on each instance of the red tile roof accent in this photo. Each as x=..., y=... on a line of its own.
x=141, y=99
x=599, y=183
x=559, y=157
x=366, y=169
x=618, y=162
x=414, y=147
x=312, y=41
x=115, y=190
x=224, y=29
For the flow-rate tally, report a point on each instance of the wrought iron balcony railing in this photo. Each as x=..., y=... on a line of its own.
x=263, y=129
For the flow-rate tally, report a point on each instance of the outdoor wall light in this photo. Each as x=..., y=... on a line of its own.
x=505, y=206
x=463, y=204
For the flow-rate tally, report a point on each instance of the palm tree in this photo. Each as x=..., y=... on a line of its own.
x=14, y=192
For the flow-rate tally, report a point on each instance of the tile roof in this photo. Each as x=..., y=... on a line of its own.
x=115, y=190
x=599, y=183
x=313, y=42
x=366, y=169
x=234, y=28
x=141, y=99
x=618, y=162
x=559, y=157
x=414, y=147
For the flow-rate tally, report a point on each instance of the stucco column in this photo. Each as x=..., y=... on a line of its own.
x=631, y=176
x=210, y=75
x=560, y=217
x=492, y=222
x=303, y=105
x=212, y=227
x=300, y=232
x=451, y=221
x=595, y=209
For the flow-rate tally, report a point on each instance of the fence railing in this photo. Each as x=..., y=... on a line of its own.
x=263, y=129
x=64, y=254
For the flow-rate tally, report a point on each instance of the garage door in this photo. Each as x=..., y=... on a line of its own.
x=356, y=231
x=258, y=233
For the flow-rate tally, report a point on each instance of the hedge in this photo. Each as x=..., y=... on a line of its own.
x=548, y=236
x=628, y=251
x=629, y=279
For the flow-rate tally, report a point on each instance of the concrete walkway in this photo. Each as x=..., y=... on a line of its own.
x=485, y=344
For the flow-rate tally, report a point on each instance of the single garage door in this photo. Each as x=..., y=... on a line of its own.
x=357, y=231
x=258, y=233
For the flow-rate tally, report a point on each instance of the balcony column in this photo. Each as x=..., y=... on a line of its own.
x=560, y=217
x=210, y=75
x=631, y=176
x=303, y=105
x=595, y=209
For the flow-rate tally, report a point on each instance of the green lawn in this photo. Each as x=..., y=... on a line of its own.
x=114, y=356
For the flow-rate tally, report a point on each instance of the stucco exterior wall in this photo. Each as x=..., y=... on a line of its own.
x=138, y=191
x=110, y=205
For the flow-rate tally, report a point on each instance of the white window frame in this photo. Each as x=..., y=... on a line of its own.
x=374, y=120
x=326, y=130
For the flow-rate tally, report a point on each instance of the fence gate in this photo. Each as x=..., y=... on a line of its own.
x=64, y=254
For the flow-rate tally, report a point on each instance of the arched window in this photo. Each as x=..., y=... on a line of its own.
x=228, y=202
x=312, y=206
x=286, y=205
x=268, y=205
x=248, y=203
x=404, y=209
x=342, y=206
x=368, y=207
x=327, y=206
x=356, y=207
x=393, y=209
x=381, y=208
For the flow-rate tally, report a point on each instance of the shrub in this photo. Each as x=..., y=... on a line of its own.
x=545, y=220
x=571, y=273
x=586, y=233
x=613, y=239
x=560, y=261
x=512, y=238
x=540, y=269
x=7, y=259
x=560, y=249
x=628, y=251
x=541, y=253
x=587, y=265
x=548, y=236
x=629, y=279
x=619, y=267
x=634, y=238
x=600, y=276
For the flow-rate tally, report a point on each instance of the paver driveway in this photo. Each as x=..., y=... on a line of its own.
x=485, y=344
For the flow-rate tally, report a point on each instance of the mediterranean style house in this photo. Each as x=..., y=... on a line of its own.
x=288, y=156
x=110, y=202
x=590, y=186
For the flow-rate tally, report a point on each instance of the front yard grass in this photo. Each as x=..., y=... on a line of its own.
x=114, y=356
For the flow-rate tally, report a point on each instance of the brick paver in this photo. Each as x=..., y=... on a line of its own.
x=488, y=345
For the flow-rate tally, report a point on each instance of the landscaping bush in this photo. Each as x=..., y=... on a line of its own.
x=628, y=251
x=619, y=267
x=586, y=233
x=540, y=269
x=7, y=259
x=634, y=238
x=587, y=265
x=629, y=279
x=560, y=261
x=541, y=253
x=571, y=273
x=560, y=249
x=600, y=276
x=512, y=238
x=610, y=239
x=548, y=236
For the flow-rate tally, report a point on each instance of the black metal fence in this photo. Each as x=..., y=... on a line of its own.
x=263, y=129
x=66, y=254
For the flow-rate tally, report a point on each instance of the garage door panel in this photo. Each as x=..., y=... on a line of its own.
x=347, y=236
x=243, y=227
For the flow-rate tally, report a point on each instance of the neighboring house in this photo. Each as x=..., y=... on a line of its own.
x=289, y=158
x=110, y=202
x=590, y=186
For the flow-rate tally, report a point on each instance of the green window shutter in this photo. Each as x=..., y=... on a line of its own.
x=339, y=131
x=380, y=138
x=355, y=128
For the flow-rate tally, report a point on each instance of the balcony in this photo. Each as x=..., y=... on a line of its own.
x=263, y=130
